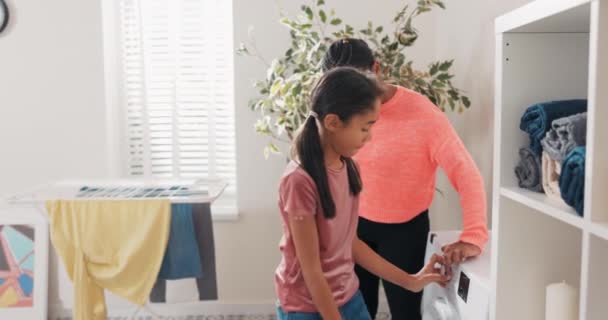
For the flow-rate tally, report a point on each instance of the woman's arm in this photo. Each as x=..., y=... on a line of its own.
x=452, y=156
x=374, y=263
x=304, y=232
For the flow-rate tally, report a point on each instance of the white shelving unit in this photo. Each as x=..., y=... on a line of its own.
x=549, y=50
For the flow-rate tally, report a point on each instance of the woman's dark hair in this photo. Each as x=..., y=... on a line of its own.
x=345, y=92
x=350, y=53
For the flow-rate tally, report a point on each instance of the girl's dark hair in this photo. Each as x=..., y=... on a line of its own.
x=345, y=92
x=349, y=52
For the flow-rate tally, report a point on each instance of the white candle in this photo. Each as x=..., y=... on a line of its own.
x=562, y=302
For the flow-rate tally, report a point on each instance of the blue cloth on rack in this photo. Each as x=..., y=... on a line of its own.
x=182, y=259
x=537, y=119
x=572, y=179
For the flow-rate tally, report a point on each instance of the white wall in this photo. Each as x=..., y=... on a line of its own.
x=51, y=93
x=52, y=110
x=52, y=107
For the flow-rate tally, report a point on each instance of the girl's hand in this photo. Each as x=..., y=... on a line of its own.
x=431, y=273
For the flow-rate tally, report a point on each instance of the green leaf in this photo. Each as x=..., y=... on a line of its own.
x=420, y=81
x=273, y=148
x=440, y=4
x=438, y=84
x=466, y=101
x=434, y=69
x=275, y=87
x=444, y=77
x=297, y=89
x=320, y=2
x=285, y=88
x=400, y=61
x=336, y=21
x=446, y=65
x=379, y=29
x=323, y=16
x=393, y=46
x=309, y=13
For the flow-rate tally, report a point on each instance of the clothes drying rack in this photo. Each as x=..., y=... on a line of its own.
x=175, y=190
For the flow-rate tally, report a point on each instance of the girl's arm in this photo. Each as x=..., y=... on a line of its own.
x=305, y=237
x=374, y=263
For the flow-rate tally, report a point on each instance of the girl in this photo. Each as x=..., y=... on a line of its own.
x=412, y=139
x=319, y=203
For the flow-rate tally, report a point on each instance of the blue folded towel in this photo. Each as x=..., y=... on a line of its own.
x=182, y=259
x=572, y=179
x=537, y=119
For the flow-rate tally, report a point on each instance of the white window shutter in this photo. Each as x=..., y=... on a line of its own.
x=177, y=74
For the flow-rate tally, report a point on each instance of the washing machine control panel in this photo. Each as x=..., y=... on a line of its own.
x=463, y=286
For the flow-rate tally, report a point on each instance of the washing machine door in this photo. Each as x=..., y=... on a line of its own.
x=440, y=309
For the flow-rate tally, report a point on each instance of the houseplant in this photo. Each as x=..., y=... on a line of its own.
x=284, y=92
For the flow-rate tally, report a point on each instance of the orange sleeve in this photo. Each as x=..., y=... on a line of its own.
x=452, y=156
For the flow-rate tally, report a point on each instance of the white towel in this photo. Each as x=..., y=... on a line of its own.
x=551, y=170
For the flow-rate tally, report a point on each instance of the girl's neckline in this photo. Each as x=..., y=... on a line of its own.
x=334, y=170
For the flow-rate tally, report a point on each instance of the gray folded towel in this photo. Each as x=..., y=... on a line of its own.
x=529, y=171
x=565, y=134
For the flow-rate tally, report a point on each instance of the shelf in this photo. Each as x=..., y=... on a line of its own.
x=543, y=204
x=599, y=229
x=534, y=250
x=549, y=50
x=547, y=16
x=597, y=308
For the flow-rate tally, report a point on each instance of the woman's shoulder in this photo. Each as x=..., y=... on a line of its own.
x=420, y=104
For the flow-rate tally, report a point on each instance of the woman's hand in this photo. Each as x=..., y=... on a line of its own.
x=458, y=252
x=431, y=273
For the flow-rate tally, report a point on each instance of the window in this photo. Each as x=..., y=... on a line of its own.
x=175, y=74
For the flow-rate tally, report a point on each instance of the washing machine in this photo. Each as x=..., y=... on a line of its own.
x=467, y=295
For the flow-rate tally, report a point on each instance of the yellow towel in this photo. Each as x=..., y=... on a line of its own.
x=109, y=244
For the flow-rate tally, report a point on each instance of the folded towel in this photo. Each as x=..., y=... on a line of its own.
x=565, y=134
x=528, y=170
x=537, y=119
x=550, y=176
x=572, y=179
x=181, y=258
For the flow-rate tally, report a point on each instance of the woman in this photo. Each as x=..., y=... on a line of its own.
x=412, y=138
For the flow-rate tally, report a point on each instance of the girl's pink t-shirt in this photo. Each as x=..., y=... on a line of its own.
x=298, y=196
